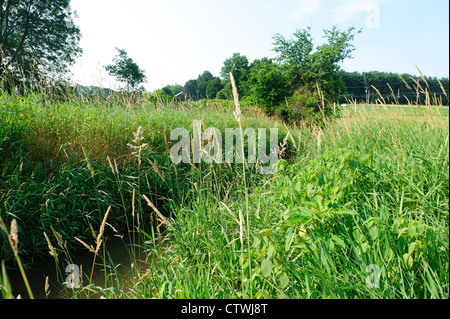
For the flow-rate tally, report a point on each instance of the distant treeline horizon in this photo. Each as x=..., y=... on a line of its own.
x=360, y=86
x=394, y=87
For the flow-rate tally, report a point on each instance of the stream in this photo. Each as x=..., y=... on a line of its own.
x=118, y=252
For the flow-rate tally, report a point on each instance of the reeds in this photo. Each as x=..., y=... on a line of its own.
x=229, y=236
x=13, y=238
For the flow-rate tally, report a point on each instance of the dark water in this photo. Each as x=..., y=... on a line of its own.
x=118, y=261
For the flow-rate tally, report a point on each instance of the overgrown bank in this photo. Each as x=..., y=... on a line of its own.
x=360, y=211
x=64, y=163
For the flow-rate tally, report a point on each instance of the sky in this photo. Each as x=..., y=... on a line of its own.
x=176, y=40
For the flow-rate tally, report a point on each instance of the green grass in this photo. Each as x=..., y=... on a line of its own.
x=362, y=213
x=357, y=209
x=400, y=110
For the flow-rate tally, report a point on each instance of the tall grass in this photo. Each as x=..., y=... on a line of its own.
x=358, y=209
x=361, y=213
x=64, y=163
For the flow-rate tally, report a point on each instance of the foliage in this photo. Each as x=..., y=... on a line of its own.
x=38, y=40
x=320, y=66
x=355, y=216
x=394, y=88
x=126, y=70
x=214, y=86
x=238, y=65
x=268, y=84
x=303, y=104
x=298, y=68
x=202, y=83
x=172, y=90
x=226, y=93
x=190, y=89
x=360, y=212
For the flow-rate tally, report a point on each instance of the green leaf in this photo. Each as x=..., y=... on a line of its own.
x=5, y=286
x=402, y=232
x=412, y=247
x=289, y=238
x=284, y=281
x=374, y=232
x=309, y=189
x=299, y=214
x=412, y=230
x=338, y=241
x=420, y=228
x=347, y=212
x=266, y=267
x=270, y=251
x=365, y=247
x=408, y=260
x=357, y=235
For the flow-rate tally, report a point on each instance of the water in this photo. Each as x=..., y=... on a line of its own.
x=118, y=255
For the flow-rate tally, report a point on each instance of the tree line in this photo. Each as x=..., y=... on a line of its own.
x=304, y=81
x=301, y=82
x=39, y=41
x=394, y=88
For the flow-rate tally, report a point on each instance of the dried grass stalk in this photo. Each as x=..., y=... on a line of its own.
x=50, y=246
x=161, y=216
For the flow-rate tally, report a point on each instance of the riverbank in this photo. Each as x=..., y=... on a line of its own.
x=359, y=208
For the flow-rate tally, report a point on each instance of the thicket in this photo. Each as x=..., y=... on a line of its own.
x=307, y=83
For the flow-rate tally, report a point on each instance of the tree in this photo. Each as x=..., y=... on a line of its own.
x=214, y=86
x=268, y=84
x=38, y=39
x=310, y=69
x=172, y=90
x=238, y=65
x=191, y=89
x=293, y=53
x=202, y=83
x=126, y=70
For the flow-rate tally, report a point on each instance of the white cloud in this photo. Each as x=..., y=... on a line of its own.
x=351, y=9
x=307, y=8
x=265, y=6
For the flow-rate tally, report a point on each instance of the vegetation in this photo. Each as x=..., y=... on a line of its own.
x=126, y=70
x=358, y=205
x=292, y=78
x=358, y=209
x=394, y=88
x=38, y=40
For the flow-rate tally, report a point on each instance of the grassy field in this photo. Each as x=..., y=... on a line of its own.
x=356, y=209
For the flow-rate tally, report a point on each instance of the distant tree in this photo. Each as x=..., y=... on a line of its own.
x=238, y=64
x=293, y=53
x=190, y=89
x=38, y=39
x=214, y=86
x=172, y=90
x=126, y=70
x=320, y=66
x=268, y=84
x=354, y=84
x=226, y=93
x=394, y=88
x=202, y=83
x=308, y=67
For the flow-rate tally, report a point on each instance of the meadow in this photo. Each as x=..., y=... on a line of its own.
x=357, y=208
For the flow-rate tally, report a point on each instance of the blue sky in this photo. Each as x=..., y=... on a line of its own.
x=176, y=40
